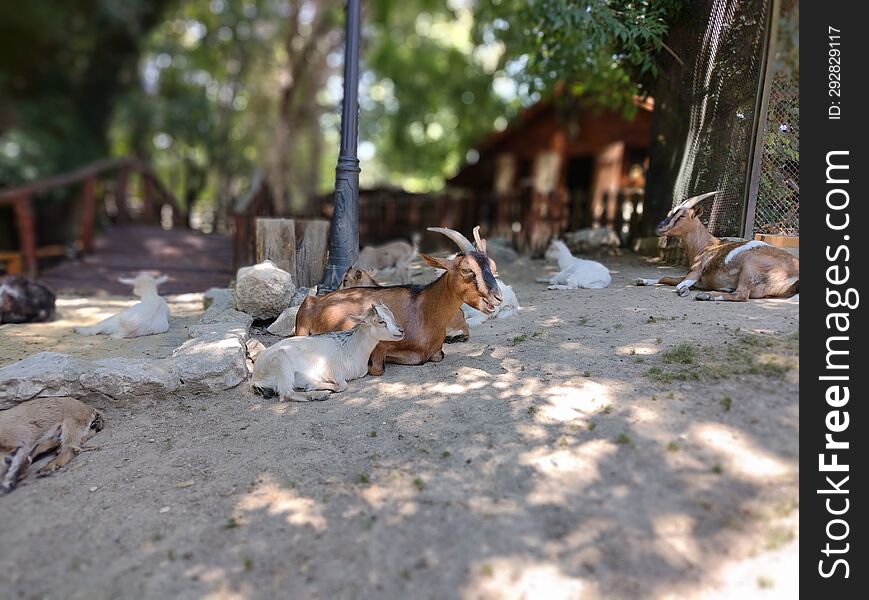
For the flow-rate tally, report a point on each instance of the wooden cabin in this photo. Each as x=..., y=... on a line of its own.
x=559, y=168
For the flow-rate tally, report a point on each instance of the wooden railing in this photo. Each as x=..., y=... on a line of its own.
x=154, y=196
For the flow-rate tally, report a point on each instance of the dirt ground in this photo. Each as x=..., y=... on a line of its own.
x=617, y=443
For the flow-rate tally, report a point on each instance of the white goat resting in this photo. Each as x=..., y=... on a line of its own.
x=574, y=272
x=509, y=307
x=147, y=317
x=311, y=367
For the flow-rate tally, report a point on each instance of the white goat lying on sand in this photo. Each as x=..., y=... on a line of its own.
x=147, y=317
x=394, y=256
x=318, y=365
x=509, y=307
x=574, y=272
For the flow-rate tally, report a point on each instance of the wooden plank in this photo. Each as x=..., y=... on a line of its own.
x=88, y=213
x=779, y=241
x=26, y=233
x=312, y=245
x=276, y=241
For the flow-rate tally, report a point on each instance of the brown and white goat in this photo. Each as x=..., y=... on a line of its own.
x=423, y=313
x=731, y=271
x=457, y=329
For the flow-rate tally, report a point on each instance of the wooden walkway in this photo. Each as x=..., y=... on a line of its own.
x=193, y=261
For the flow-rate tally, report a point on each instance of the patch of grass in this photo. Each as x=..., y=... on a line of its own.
x=290, y=484
x=683, y=354
x=726, y=403
x=170, y=555
x=518, y=339
x=592, y=425
x=672, y=447
x=624, y=438
x=445, y=454
x=618, y=326
x=532, y=409
x=363, y=479
x=640, y=360
x=607, y=409
x=486, y=570
x=717, y=469
x=232, y=523
x=419, y=484
x=248, y=563
x=372, y=434
x=749, y=354
x=659, y=339
x=583, y=321
x=586, y=373
x=765, y=582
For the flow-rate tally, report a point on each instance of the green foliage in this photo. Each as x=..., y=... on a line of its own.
x=604, y=50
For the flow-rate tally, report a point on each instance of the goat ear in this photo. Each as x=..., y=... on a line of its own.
x=162, y=279
x=437, y=263
x=698, y=211
x=358, y=319
x=125, y=280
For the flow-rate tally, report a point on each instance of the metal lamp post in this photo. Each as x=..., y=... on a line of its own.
x=344, y=236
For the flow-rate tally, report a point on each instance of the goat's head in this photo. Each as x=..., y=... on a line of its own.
x=381, y=321
x=680, y=219
x=143, y=282
x=556, y=249
x=356, y=277
x=471, y=272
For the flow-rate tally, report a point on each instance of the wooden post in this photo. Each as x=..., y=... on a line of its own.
x=88, y=213
x=121, y=185
x=26, y=233
x=276, y=241
x=150, y=210
x=312, y=245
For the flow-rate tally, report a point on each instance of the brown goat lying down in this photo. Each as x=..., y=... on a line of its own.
x=730, y=271
x=423, y=313
x=457, y=329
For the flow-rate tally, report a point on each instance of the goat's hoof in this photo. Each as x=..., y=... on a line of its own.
x=640, y=281
x=683, y=291
x=703, y=296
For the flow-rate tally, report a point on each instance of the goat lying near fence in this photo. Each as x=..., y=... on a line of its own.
x=39, y=426
x=393, y=256
x=147, y=317
x=422, y=313
x=457, y=328
x=314, y=366
x=574, y=272
x=732, y=271
x=25, y=301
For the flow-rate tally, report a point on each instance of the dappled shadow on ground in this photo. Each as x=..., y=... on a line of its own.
x=538, y=460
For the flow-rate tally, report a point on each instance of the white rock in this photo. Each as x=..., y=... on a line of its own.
x=285, y=325
x=263, y=291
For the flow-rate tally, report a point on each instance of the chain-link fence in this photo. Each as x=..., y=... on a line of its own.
x=708, y=102
x=778, y=195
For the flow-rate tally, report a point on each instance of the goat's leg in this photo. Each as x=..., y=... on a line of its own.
x=408, y=357
x=741, y=294
x=437, y=356
x=660, y=280
x=18, y=463
x=684, y=287
x=377, y=362
x=71, y=435
x=296, y=396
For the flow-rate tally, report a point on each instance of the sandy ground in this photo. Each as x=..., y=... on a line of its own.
x=618, y=443
x=20, y=341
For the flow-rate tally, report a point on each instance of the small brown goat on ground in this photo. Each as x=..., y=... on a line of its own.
x=423, y=313
x=457, y=329
x=731, y=271
x=43, y=425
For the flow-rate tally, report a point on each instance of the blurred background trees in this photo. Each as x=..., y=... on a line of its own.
x=212, y=91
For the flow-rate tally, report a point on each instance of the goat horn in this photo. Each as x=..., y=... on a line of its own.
x=691, y=202
x=481, y=243
x=460, y=240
